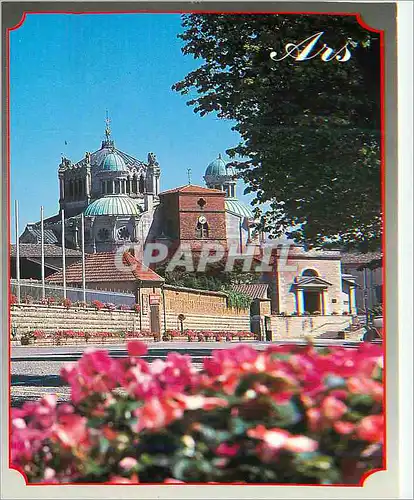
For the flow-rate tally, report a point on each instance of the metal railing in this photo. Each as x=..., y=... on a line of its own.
x=33, y=289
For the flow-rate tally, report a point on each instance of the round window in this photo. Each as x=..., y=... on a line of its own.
x=123, y=233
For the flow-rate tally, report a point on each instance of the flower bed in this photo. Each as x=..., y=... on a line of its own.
x=288, y=415
x=75, y=336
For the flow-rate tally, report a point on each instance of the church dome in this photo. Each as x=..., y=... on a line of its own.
x=112, y=205
x=234, y=206
x=114, y=162
x=217, y=167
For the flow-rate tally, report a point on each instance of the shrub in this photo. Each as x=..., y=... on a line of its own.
x=28, y=299
x=50, y=301
x=13, y=299
x=39, y=335
x=97, y=304
x=124, y=307
x=136, y=308
x=67, y=303
x=290, y=414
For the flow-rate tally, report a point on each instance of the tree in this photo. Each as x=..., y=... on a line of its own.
x=310, y=130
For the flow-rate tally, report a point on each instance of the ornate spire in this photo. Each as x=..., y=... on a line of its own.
x=107, y=127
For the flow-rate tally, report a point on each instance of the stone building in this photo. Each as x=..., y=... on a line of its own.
x=121, y=201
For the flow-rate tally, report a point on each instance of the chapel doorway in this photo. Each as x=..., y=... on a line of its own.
x=312, y=301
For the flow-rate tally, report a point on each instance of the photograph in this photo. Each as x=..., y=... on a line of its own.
x=196, y=228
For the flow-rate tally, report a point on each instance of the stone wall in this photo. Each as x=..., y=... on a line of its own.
x=29, y=317
x=299, y=326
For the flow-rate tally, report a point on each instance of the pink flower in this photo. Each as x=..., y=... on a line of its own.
x=300, y=444
x=314, y=419
x=332, y=408
x=157, y=413
x=71, y=430
x=198, y=401
x=227, y=450
x=342, y=427
x=274, y=438
x=128, y=463
x=371, y=429
x=137, y=348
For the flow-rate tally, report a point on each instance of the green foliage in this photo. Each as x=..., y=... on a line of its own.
x=310, y=131
x=237, y=300
x=214, y=278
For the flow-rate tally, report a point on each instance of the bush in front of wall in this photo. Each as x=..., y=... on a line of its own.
x=286, y=415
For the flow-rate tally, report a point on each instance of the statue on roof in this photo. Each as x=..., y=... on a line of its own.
x=88, y=157
x=152, y=159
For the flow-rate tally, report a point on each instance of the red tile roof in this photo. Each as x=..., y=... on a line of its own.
x=253, y=290
x=192, y=189
x=107, y=266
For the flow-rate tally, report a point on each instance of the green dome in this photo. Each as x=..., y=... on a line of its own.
x=234, y=206
x=217, y=167
x=112, y=205
x=114, y=162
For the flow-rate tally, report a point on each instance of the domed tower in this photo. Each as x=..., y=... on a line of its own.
x=220, y=176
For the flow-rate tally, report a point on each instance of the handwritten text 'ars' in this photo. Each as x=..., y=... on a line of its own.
x=307, y=49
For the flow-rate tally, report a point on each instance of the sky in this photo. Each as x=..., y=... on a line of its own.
x=67, y=70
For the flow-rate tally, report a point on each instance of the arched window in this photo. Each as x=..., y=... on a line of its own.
x=310, y=272
x=141, y=184
x=134, y=184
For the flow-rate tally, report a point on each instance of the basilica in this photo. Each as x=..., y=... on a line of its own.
x=121, y=200
x=122, y=204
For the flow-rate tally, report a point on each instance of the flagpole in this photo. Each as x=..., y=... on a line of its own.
x=16, y=215
x=63, y=254
x=83, y=258
x=42, y=241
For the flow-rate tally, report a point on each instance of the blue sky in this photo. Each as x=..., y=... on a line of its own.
x=67, y=70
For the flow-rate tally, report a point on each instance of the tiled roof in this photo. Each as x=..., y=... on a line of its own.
x=360, y=258
x=107, y=266
x=35, y=250
x=255, y=290
x=49, y=235
x=192, y=189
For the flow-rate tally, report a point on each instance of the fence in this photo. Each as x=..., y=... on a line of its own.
x=34, y=289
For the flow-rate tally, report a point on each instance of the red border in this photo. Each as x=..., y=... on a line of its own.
x=382, y=169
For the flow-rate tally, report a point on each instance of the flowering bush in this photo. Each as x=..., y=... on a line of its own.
x=13, y=299
x=67, y=303
x=136, y=308
x=124, y=307
x=97, y=304
x=39, y=334
x=290, y=414
x=110, y=306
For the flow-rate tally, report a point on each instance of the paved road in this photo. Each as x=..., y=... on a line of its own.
x=35, y=370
